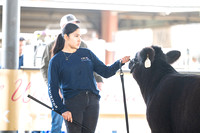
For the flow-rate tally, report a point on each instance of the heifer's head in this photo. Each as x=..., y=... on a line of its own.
x=149, y=67
x=145, y=58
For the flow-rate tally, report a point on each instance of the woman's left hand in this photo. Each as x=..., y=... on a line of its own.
x=125, y=59
x=67, y=116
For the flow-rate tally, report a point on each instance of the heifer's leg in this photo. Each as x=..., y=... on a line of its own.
x=158, y=117
x=158, y=123
x=186, y=110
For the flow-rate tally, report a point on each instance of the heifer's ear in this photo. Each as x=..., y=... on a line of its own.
x=172, y=56
x=147, y=55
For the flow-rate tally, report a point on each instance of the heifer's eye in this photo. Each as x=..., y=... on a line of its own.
x=132, y=64
x=135, y=60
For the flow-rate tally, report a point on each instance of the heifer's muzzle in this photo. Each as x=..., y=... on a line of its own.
x=132, y=64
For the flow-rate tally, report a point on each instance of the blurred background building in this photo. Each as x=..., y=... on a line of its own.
x=112, y=29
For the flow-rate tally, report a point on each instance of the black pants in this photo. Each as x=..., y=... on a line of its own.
x=85, y=110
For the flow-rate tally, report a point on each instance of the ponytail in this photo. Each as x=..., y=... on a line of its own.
x=60, y=41
x=59, y=45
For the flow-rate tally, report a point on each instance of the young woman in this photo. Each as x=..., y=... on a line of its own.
x=71, y=69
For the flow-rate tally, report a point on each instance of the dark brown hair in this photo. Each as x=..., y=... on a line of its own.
x=60, y=41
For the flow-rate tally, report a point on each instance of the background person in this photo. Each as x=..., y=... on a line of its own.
x=71, y=69
x=21, y=56
x=57, y=120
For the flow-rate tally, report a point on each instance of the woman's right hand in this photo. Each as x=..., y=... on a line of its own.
x=67, y=116
x=125, y=59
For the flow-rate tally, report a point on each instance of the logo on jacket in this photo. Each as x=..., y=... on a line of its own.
x=85, y=59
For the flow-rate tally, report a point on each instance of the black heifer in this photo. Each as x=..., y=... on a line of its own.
x=172, y=99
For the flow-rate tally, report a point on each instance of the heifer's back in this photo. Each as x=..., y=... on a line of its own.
x=172, y=99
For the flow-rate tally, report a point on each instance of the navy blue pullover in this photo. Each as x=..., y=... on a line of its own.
x=75, y=75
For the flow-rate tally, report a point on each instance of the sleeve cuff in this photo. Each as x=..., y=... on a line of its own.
x=63, y=110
